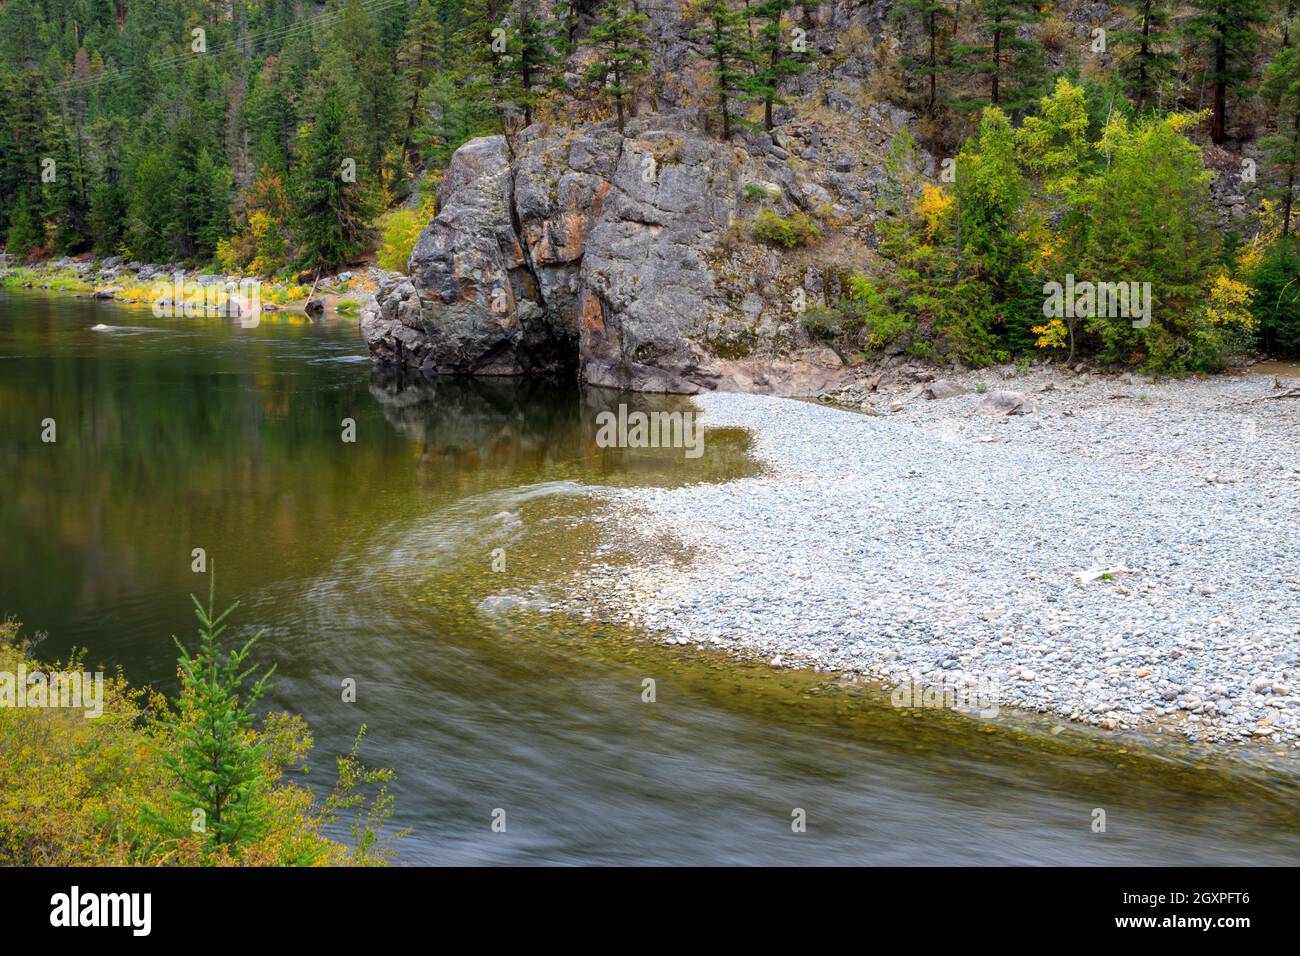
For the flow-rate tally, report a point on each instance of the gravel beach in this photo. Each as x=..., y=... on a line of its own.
x=1120, y=551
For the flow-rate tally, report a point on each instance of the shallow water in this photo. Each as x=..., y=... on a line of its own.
x=373, y=560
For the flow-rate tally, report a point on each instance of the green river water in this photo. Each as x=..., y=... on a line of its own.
x=372, y=560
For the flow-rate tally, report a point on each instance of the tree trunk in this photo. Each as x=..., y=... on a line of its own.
x=1144, y=51
x=934, y=63
x=997, y=60
x=1218, y=129
x=1290, y=181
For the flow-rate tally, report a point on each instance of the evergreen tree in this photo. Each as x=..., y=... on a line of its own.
x=333, y=205
x=22, y=138
x=721, y=30
x=485, y=40
x=367, y=71
x=928, y=15
x=1282, y=87
x=148, y=232
x=531, y=58
x=991, y=192
x=772, y=56
x=1151, y=221
x=271, y=117
x=219, y=766
x=419, y=61
x=26, y=234
x=1228, y=30
x=1143, y=50
x=67, y=202
x=1012, y=64
x=622, y=51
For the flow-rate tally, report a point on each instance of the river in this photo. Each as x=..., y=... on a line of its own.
x=373, y=560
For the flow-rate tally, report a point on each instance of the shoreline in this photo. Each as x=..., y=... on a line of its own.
x=1218, y=440
x=132, y=284
x=1118, y=560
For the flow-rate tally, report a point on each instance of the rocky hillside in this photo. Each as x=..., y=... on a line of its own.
x=632, y=259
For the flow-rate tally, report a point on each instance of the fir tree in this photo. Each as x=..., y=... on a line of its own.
x=531, y=59
x=219, y=767
x=929, y=16
x=419, y=62
x=333, y=203
x=1228, y=30
x=1013, y=65
x=26, y=234
x=991, y=192
x=1282, y=87
x=771, y=55
x=1143, y=51
x=622, y=53
x=721, y=30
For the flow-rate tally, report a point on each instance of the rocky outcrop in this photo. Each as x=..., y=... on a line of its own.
x=624, y=258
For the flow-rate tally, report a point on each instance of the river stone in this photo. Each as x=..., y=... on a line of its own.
x=1004, y=402
x=942, y=389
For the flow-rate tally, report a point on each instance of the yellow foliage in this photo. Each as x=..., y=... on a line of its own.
x=91, y=791
x=933, y=206
x=1052, y=335
x=400, y=228
x=1229, y=304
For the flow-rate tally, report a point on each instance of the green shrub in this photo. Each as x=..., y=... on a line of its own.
x=1276, y=303
x=399, y=230
x=120, y=789
x=797, y=229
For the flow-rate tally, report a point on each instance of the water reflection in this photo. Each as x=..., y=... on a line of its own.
x=372, y=560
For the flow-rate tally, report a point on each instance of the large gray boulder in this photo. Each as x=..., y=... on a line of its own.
x=625, y=259
x=471, y=302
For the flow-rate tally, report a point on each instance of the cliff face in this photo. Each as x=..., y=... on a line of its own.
x=629, y=259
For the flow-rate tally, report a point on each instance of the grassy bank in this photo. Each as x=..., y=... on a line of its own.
x=344, y=298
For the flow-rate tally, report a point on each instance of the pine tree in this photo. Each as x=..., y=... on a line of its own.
x=721, y=30
x=1013, y=65
x=368, y=67
x=333, y=204
x=1143, y=50
x=1282, y=87
x=26, y=234
x=419, y=61
x=622, y=53
x=1228, y=30
x=771, y=55
x=67, y=203
x=531, y=58
x=22, y=139
x=220, y=770
x=485, y=40
x=928, y=15
x=150, y=208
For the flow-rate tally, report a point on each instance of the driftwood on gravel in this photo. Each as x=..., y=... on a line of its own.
x=1293, y=392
